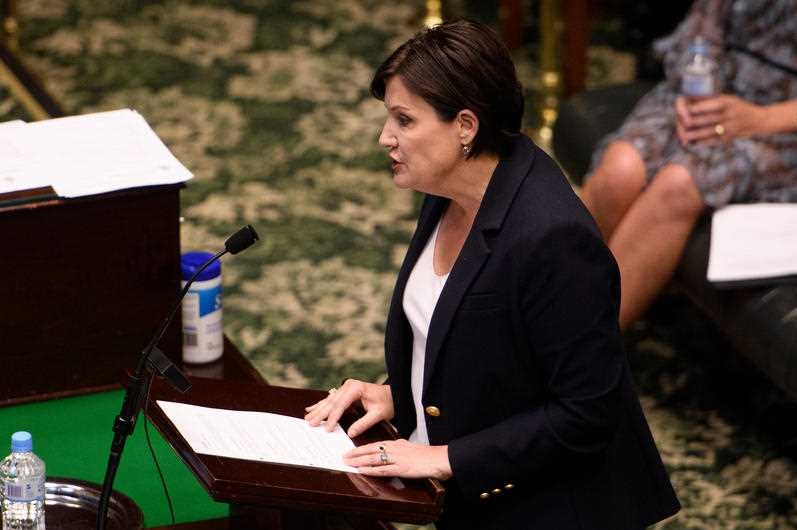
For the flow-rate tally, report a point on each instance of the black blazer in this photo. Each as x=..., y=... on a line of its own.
x=525, y=378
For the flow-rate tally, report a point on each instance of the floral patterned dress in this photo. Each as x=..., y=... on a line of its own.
x=755, y=45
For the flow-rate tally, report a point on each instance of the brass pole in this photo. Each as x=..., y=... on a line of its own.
x=21, y=94
x=14, y=75
x=551, y=68
x=10, y=24
x=434, y=13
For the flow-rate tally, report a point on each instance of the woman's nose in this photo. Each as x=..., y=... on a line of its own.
x=385, y=138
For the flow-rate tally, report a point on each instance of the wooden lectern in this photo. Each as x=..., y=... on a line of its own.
x=275, y=496
x=85, y=283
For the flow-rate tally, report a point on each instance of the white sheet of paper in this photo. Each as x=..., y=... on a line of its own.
x=260, y=436
x=753, y=241
x=14, y=160
x=12, y=123
x=85, y=155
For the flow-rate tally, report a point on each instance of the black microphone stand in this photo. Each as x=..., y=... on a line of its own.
x=152, y=360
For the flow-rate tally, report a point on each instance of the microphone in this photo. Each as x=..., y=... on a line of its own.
x=241, y=240
x=153, y=360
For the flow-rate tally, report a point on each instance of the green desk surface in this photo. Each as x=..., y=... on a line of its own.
x=73, y=436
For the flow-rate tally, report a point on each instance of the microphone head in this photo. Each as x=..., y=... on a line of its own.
x=241, y=240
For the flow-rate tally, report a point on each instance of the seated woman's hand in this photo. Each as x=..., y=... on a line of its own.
x=718, y=119
x=401, y=459
x=376, y=400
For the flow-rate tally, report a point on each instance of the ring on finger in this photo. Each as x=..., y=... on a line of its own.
x=719, y=129
x=383, y=459
x=332, y=390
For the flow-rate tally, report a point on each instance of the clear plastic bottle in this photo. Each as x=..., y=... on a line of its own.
x=23, y=488
x=700, y=78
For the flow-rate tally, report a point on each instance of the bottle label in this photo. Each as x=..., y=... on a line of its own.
x=697, y=85
x=203, y=336
x=21, y=490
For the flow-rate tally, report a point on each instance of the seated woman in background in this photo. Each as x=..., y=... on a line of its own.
x=674, y=157
x=507, y=377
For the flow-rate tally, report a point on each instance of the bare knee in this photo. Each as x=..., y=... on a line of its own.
x=620, y=172
x=676, y=192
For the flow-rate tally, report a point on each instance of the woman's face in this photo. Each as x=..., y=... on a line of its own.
x=424, y=150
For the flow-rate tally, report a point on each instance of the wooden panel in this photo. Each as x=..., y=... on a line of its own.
x=85, y=283
x=575, y=40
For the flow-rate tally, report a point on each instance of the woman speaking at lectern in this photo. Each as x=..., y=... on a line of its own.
x=506, y=374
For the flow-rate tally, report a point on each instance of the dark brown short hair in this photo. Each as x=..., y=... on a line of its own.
x=461, y=65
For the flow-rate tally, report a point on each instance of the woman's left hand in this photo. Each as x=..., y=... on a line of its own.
x=718, y=119
x=404, y=459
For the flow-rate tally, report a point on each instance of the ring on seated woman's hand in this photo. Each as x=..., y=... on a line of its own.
x=382, y=455
x=332, y=390
x=719, y=129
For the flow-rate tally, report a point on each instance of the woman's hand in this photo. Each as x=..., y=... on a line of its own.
x=402, y=459
x=719, y=119
x=376, y=400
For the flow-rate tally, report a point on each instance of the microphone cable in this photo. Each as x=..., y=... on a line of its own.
x=152, y=449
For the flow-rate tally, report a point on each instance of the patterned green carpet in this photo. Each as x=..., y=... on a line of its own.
x=266, y=102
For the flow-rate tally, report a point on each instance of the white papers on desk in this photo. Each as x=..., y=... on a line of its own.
x=260, y=436
x=85, y=155
x=753, y=242
x=12, y=123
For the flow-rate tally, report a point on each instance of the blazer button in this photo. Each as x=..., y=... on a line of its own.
x=432, y=411
x=484, y=496
x=496, y=491
x=509, y=486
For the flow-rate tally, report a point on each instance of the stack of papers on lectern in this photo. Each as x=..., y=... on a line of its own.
x=261, y=436
x=753, y=244
x=85, y=155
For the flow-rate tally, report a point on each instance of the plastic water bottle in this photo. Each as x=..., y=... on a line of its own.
x=699, y=78
x=22, y=475
x=203, y=333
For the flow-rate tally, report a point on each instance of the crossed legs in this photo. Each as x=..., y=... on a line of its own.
x=646, y=227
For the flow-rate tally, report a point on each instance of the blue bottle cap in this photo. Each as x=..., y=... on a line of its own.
x=191, y=261
x=21, y=441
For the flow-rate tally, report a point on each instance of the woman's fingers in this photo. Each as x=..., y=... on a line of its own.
x=400, y=458
x=369, y=460
x=319, y=412
x=371, y=448
x=712, y=105
x=389, y=470
x=704, y=120
x=371, y=418
x=701, y=134
x=682, y=111
x=331, y=408
x=340, y=401
x=681, y=132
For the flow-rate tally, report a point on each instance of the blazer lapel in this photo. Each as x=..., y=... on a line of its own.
x=394, y=334
x=501, y=190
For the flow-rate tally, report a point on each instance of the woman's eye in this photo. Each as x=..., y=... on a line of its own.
x=404, y=120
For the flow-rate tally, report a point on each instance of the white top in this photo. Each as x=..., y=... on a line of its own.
x=420, y=298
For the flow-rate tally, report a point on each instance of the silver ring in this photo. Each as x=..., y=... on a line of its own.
x=383, y=459
x=332, y=391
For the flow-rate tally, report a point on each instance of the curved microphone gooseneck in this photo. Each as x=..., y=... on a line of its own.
x=154, y=360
